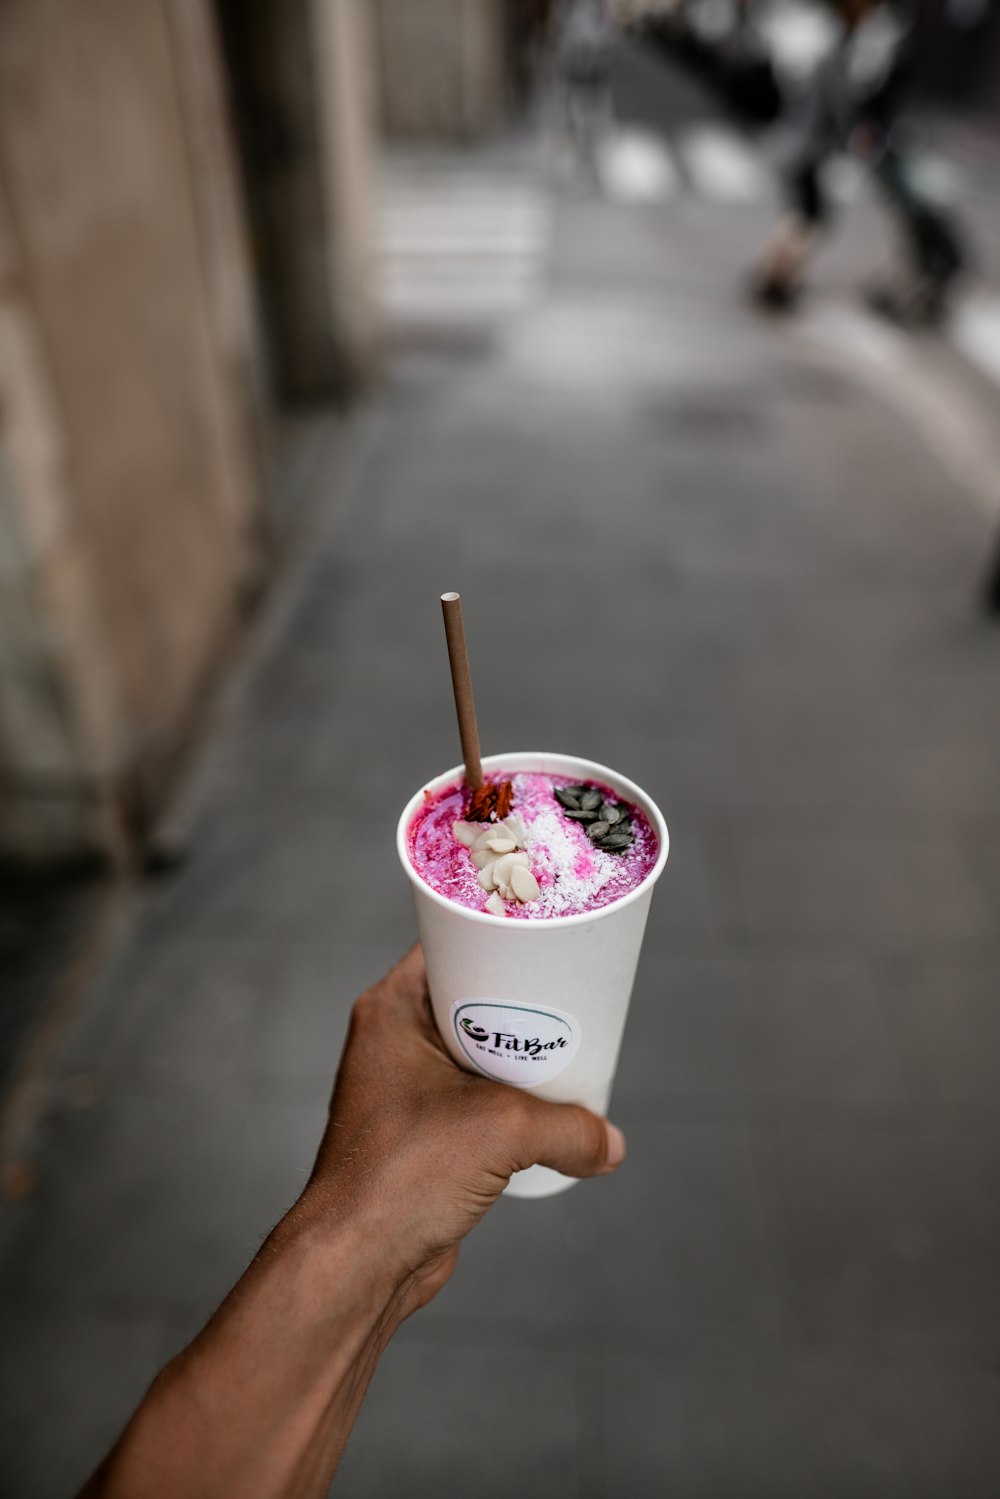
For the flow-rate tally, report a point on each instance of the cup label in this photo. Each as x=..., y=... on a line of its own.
x=515, y=1043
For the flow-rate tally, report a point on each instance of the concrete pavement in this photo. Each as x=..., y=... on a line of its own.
x=690, y=548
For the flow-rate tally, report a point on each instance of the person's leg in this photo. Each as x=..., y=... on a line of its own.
x=778, y=275
x=933, y=247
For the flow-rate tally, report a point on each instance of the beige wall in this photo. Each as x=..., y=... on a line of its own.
x=130, y=500
x=134, y=413
x=347, y=107
x=442, y=67
x=303, y=73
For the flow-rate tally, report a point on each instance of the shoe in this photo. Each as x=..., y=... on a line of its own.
x=773, y=294
x=923, y=303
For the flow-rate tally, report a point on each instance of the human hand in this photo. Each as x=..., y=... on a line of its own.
x=418, y=1150
x=414, y=1153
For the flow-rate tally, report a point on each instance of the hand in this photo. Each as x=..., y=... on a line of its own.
x=418, y=1149
x=414, y=1153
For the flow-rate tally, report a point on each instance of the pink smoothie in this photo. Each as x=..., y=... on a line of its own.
x=573, y=875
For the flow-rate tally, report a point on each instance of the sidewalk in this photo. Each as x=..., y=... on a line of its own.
x=690, y=549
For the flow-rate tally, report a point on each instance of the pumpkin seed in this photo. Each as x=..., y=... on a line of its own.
x=615, y=843
x=583, y=816
x=591, y=800
x=569, y=796
x=598, y=830
x=611, y=813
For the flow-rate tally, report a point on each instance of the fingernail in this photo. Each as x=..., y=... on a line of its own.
x=616, y=1145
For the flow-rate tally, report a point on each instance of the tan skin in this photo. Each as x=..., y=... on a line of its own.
x=415, y=1152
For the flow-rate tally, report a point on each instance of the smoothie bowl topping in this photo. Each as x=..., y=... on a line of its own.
x=560, y=848
x=498, y=852
x=607, y=822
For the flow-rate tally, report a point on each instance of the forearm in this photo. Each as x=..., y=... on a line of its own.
x=415, y=1152
x=262, y=1402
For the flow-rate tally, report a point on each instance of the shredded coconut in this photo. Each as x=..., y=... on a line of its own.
x=573, y=875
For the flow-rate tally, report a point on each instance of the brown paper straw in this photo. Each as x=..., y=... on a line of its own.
x=461, y=681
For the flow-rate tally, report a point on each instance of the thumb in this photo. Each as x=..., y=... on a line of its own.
x=571, y=1139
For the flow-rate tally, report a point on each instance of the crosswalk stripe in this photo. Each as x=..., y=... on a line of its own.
x=450, y=207
x=722, y=167
x=455, y=304
x=457, y=186
x=635, y=166
x=458, y=248
x=465, y=239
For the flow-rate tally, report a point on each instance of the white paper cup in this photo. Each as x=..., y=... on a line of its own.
x=538, y=1004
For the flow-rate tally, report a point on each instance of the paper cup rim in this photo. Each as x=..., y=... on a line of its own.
x=553, y=764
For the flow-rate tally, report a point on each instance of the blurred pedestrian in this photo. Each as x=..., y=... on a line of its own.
x=853, y=104
x=582, y=32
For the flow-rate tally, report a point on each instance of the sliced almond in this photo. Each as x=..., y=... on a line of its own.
x=486, y=878
x=466, y=832
x=524, y=884
x=515, y=829
x=484, y=836
x=495, y=905
x=483, y=856
x=502, y=869
x=520, y=858
x=502, y=845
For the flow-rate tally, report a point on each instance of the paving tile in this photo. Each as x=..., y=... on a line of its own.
x=302, y=1023
x=475, y=1419
x=885, y=1238
x=945, y=1023
x=884, y=894
x=175, y=1012
x=68, y=1383
x=277, y=879
x=765, y=1035
x=156, y=1201
x=44, y=919
x=901, y=748
x=686, y=902
x=798, y=1430
x=691, y=1268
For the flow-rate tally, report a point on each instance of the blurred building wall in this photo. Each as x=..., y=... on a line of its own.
x=302, y=77
x=443, y=67
x=133, y=413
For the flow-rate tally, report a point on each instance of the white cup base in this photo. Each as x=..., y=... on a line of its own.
x=538, y=1181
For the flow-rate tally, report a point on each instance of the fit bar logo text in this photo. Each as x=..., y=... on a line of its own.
x=515, y=1043
x=503, y=1040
